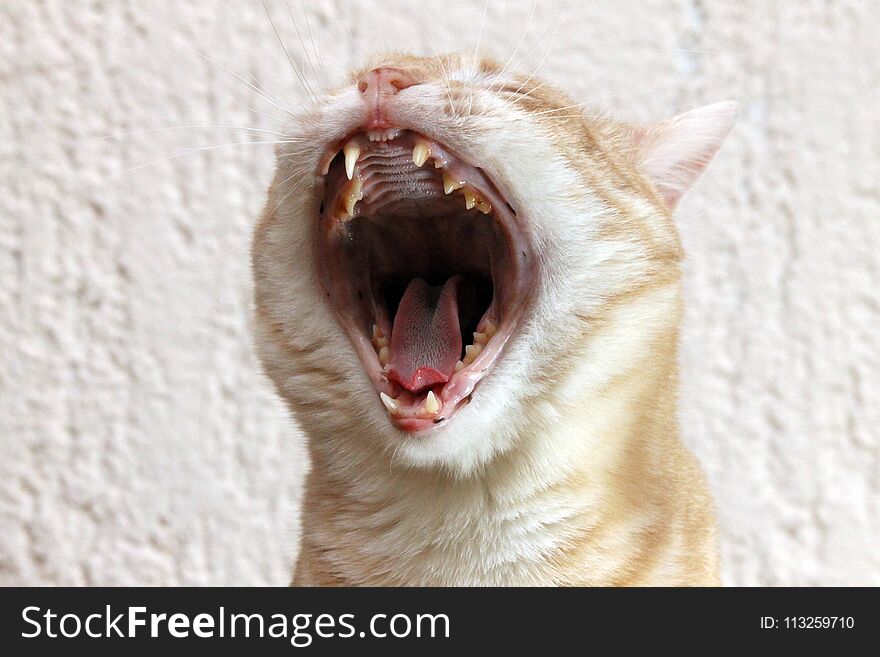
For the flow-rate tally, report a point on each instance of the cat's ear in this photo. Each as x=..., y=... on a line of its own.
x=674, y=153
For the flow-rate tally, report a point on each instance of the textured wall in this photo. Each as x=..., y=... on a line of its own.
x=140, y=443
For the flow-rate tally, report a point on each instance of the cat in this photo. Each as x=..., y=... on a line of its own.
x=468, y=293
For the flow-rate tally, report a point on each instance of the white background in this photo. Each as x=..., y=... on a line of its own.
x=140, y=443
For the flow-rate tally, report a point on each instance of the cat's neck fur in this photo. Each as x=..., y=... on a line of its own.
x=598, y=489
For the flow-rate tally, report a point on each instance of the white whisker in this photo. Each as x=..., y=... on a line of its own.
x=519, y=43
x=318, y=57
x=293, y=66
x=549, y=47
x=129, y=133
x=203, y=148
x=257, y=90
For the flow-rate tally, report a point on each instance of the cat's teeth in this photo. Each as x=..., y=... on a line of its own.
x=474, y=200
x=471, y=352
x=383, y=135
x=480, y=338
x=432, y=404
x=469, y=199
x=352, y=153
x=420, y=153
x=379, y=340
x=450, y=184
x=353, y=193
x=490, y=328
x=459, y=366
x=389, y=402
x=384, y=356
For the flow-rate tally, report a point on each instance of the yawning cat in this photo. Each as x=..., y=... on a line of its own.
x=468, y=293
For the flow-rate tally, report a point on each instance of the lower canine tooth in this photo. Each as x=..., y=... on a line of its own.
x=389, y=402
x=432, y=404
x=353, y=194
x=420, y=153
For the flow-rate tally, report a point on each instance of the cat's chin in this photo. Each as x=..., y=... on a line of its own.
x=426, y=265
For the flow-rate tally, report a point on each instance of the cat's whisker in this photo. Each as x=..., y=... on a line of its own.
x=256, y=89
x=312, y=66
x=518, y=45
x=477, y=51
x=568, y=107
x=558, y=23
x=130, y=133
x=447, y=87
x=204, y=148
x=318, y=57
x=519, y=97
x=296, y=187
x=299, y=75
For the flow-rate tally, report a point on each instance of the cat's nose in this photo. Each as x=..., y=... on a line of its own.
x=385, y=81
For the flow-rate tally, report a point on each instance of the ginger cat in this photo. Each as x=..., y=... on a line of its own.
x=468, y=293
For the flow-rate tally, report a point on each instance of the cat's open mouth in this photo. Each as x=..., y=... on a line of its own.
x=427, y=266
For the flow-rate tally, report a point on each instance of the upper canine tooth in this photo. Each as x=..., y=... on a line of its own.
x=352, y=151
x=389, y=402
x=420, y=153
x=353, y=194
x=450, y=183
x=469, y=199
x=432, y=404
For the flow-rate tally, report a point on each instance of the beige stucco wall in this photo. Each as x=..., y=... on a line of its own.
x=140, y=444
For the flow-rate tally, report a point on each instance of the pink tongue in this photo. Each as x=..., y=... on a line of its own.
x=426, y=337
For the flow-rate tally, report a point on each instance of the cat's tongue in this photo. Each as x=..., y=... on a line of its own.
x=426, y=337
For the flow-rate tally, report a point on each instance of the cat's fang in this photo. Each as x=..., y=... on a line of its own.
x=389, y=402
x=420, y=154
x=432, y=404
x=353, y=194
x=352, y=151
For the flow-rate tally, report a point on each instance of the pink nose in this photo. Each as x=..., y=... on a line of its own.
x=385, y=81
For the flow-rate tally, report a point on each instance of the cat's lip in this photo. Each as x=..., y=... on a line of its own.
x=354, y=220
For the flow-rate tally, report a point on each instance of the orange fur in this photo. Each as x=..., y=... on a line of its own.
x=581, y=478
